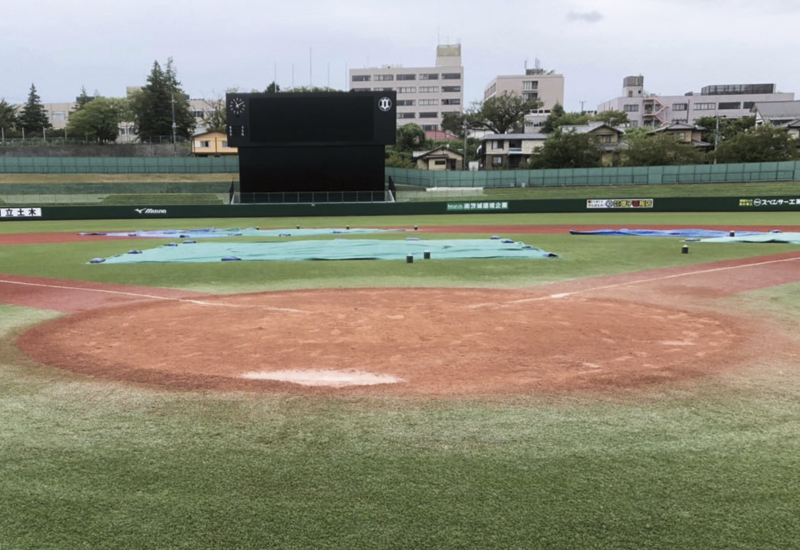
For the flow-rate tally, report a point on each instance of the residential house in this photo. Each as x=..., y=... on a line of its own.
x=508, y=151
x=777, y=113
x=212, y=144
x=608, y=138
x=686, y=133
x=440, y=158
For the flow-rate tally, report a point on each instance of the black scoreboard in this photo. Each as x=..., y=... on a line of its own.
x=311, y=142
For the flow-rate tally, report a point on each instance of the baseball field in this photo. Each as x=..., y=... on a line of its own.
x=629, y=393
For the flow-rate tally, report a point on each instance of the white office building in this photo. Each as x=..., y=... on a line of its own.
x=653, y=110
x=424, y=94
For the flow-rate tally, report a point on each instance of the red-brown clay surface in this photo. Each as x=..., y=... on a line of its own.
x=601, y=333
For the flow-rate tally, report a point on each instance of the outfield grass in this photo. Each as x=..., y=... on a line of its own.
x=711, y=464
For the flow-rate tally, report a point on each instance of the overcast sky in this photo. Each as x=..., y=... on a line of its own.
x=677, y=45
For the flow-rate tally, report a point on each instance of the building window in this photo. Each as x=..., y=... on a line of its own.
x=406, y=115
x=406, y=90
x=406, y=77
x=203, y=144
x=498, y=144
x=451, y=76
x=361, y=78
x=682, y=136
x=59, y=116
x=451, y=102
x=486, y=94
x=428, y=101
x=429, y=89
x=440, y=162
x=361, y=90
x=705, y=106
x=428, y=115
x=429, y=76
x=430, y=127
x=605, y=139
x=406, y=102
x=728, y=105
x=530, y=96
x=630, y=108
x=199, y=114
x=530, y=85
x=497, y=161
x=383, y=77
x=680, y=106
x=748, y=104
x=451, y=89
x=225, y=144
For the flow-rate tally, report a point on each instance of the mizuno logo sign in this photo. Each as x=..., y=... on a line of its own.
x=144, y=211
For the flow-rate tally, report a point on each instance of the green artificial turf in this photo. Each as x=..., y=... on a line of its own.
x=704, y=464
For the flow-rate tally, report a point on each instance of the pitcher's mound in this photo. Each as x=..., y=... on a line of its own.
x=392, y=341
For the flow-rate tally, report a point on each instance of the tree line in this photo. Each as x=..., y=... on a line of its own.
x=159, y=110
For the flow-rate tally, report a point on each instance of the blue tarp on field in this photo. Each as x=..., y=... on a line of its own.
x=334, y=249
x=785, y=238
x=698, y=233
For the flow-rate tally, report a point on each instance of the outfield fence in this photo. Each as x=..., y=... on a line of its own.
x=645, y=175
x=653, y=175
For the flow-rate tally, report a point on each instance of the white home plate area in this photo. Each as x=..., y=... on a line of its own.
x=332, y=378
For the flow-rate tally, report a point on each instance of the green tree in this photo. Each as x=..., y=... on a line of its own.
x=160, y=102
x=273, y=88
x=500, y=114
x=82, y=100
x=409, y=137
x=612, y=118
x=659, y=150
x=558, y=117
x=454, y=123
x=398, y=159
x=728, y=127
x=33, y=117
x=8, y=116
x=99, y=119
x=567, y=150
x=310, y=89
x=764, y=143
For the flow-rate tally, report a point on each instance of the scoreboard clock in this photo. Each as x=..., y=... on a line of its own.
x=303, y=119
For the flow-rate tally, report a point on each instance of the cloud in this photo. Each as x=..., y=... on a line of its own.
x=588, y=17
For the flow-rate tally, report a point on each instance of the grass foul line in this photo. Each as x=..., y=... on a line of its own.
x=640, y=281
x=149, y=296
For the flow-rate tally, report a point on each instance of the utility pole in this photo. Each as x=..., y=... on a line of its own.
x=174, y=126
x=582, y=102
x=464, y=162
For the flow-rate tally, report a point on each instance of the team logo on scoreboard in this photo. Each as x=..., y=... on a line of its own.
x=384, y=104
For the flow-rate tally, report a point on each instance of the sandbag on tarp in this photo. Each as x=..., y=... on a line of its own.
x=335, y=249
x=700, y=233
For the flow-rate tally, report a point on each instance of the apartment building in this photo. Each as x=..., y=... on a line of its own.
x=653, y=110
x=424, y=94
x=536, y=83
